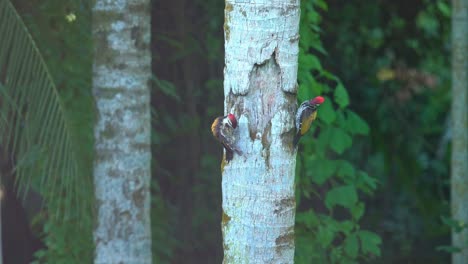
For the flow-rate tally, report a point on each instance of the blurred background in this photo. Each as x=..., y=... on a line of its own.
x=383, y=65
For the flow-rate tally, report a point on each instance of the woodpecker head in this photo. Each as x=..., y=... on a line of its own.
x=231, y=120
x=317, y=101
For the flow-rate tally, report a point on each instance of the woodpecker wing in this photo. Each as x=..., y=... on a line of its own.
x=306, y=114
x=304, y=117
x=307, y=122
x=224, y=134
x=226, y=138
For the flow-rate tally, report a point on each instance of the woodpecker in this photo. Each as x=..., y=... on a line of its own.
x=223, y=130
x=305, y=115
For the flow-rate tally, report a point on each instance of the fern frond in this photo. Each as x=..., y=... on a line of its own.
x=33, y=124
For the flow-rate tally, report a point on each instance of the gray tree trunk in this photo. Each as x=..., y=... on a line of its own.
x=459, y=164
x=260, y=83
x=121, y=71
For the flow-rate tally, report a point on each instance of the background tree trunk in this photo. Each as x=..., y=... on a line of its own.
x=260, y=83
x=121, y=71
x=460, y=125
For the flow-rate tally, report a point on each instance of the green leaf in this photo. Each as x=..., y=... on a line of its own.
x=345, y=196
x=345, y=226
x=365, y=183
x=448, y=249
x=457, y=226
x=346, y=169
x=321, y=170
x=370, y=242
x=326, y=112
x=355, y=124
x=376, y=37
x=310, y=62
x=340, y=140
x=31, y=157
x=325, y=235
x=428, y=23
x=341, y=96
x=320, y=88
x=329, y=76
x=358, y=210
x=37, y=122
x=322, y=4
x=305, y=91
x=305, y=40
x=323, y=140
x=166, y=88
x=308, y=218
x=317, y=45
x=351, y=246
x=444, y=8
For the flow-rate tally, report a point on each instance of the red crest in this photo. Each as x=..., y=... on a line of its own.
x=233, y=120
x=317, y=100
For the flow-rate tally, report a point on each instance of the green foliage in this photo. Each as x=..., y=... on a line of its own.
x=341, y=96
x=188, y=62
x=400, y=152
x=367, y=46
x=340, y=140
x=166, y=87
x=66, y=240
x=448, y=249
x=327, y=113
x=56, y=117
x=332, y=232
x=37, y=130
x=161, y=227
x=457, y=227
x=345, y=196
x=355, y=124
x=394, y=65
x=369, y=242
x=37, y=122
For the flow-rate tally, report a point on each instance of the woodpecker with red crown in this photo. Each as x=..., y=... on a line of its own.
x=223, y=128
x=305, y=115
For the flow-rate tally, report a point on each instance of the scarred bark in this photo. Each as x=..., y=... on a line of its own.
x=459, y=166
x=121, y=71
x=260, y=83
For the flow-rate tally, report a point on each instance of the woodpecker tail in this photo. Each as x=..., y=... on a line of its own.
x=296, y=139
x=229, y=155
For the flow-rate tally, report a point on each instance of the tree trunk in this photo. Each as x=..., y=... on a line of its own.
x=459, y=164
x=260, y=83
x=121, y=71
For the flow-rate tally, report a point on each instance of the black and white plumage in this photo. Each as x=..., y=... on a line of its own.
x=223, y=129
x=306, y=114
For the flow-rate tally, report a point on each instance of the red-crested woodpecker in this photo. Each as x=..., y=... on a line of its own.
x=305, y=115
x=223, y=130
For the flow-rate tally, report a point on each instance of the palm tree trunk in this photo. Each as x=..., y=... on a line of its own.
x=121, y=71
x=459, y=164
x=260, y=83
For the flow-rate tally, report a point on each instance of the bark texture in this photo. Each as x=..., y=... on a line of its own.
x=121, y=71
x=260, y=83
x=459, y=164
